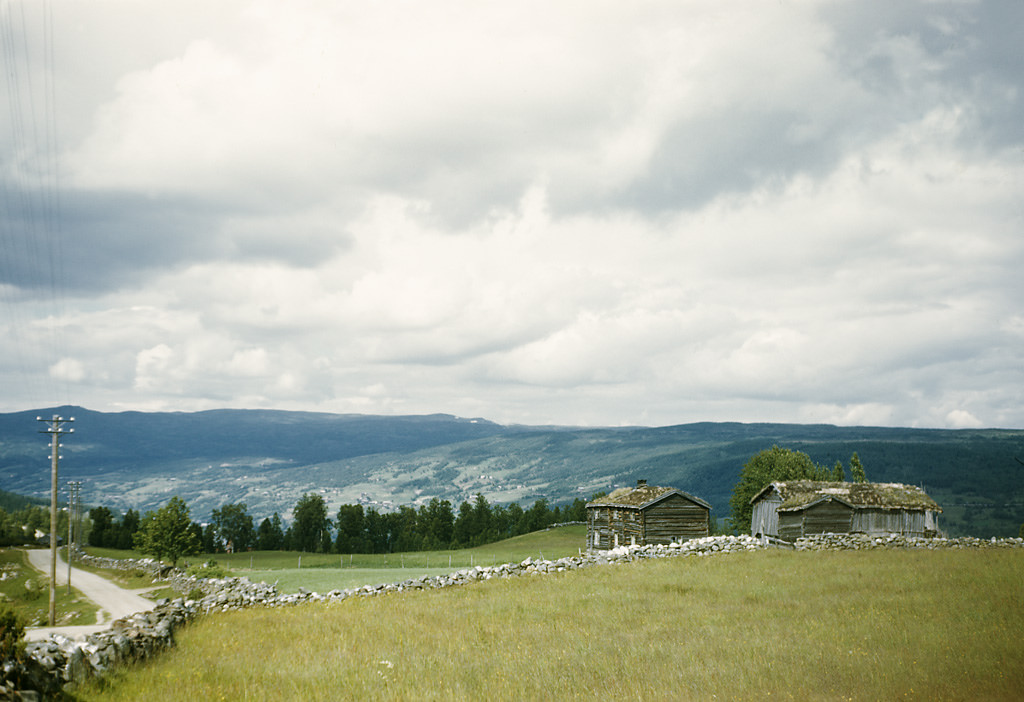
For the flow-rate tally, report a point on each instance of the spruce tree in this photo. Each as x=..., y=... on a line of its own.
x=857, y=474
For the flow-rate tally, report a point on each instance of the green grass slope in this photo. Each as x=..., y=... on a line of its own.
x=318, y=572
x=865, y=625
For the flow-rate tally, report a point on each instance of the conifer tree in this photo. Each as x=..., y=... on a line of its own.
x=857, y=474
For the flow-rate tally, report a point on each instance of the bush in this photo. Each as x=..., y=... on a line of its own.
x=210, y=569
x=196, y=594
x=32, y=590
x=12, y=632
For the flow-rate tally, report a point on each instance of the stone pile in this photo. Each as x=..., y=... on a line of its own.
x=857, y=542
x=153, y=568
x=51, y=664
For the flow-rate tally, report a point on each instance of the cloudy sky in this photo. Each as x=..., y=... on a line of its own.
x=594, y=213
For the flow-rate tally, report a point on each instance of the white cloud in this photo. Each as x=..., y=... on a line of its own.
x=962, y=419
x=534, y=212
x=249, y=363
x=152, y=366
x=69, y=369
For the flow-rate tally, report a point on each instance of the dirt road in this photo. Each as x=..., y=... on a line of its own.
x=114, y=602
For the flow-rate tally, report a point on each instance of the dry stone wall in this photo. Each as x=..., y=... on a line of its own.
x=52, y=664
x=857, y=542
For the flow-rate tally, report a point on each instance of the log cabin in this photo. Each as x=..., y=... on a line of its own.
x=792, y=509
x=646, y=514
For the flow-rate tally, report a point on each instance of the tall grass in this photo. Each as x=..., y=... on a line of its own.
x=849, y=625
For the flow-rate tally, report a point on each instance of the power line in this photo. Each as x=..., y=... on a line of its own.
x=32, y=240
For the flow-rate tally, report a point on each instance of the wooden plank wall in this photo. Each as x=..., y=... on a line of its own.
x=765, y=517
x=885, y=521
x=674, y=519
x=837, y=518
x=828, y=517
x=791, y=525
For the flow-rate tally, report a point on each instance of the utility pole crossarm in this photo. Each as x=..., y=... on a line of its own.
x=55, y=428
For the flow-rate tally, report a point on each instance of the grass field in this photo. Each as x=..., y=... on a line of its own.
x=323, y=572
x=852, y=625
x=320, y=572
x=32, y=603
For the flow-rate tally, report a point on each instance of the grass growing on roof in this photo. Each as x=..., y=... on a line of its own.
x=842, y=625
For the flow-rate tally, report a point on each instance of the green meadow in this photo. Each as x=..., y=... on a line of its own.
x=865, y=625
x=320, y=572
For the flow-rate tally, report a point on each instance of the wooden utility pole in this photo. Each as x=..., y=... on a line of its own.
x=73, y=487
x=55, y=429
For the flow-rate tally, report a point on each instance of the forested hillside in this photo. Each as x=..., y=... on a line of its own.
x=268, y=459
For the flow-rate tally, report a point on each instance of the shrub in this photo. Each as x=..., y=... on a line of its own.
x=196, y=593
x=210, y=569
x=12, y=631
x=32, y=590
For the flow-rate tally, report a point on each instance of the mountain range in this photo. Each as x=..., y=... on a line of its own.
x=270, y=458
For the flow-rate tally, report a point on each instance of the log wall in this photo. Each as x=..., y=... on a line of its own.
x=671, y=520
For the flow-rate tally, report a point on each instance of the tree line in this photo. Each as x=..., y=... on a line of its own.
x=20, y=526
x=358, y=529
x=169, y=532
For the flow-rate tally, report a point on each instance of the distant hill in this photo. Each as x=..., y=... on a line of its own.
x=268, y=459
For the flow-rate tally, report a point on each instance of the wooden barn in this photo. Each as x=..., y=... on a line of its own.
x=797, y=508
x=644, y=515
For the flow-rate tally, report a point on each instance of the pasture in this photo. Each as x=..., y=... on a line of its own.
x=321, y=572
x=829, y=625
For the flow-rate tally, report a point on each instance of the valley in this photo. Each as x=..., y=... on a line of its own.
x=268, y=459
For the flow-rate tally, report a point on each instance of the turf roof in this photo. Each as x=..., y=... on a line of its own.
x=640, y=496
x=800, y=493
